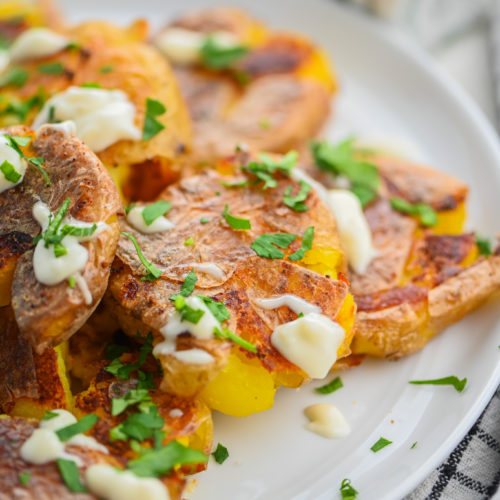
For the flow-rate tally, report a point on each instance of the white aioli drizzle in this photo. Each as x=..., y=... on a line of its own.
x=113, y=484
x=204, y=329
x=327, y=421
x=160, y=224
x=44, y=446
x=35, y=43
x=184, y=46
x=51, y=270
x=209, y=268
x=12, y=156
x=311, y=342
x=353, y=228
x=102, y=117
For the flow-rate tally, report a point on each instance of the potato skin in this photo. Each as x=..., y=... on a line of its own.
x=47, y=315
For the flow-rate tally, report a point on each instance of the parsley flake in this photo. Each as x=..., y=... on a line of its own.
x=347, y=491
x=140, y=426
x=71, y=475
x=458, y=384
x=106, y=69
x=10, y=173
x=189, y=242
x=381, y=443
x=220, y=454
x=51, y=68
x=413, y=445
x=49, y=415
x=332, y=386
x=483, y=246
x=307, y=240
x=187, y=286
x=215, y=55
x=24, y=478
x=83, y=425
x=218, y=309
x=225, y=333
x=267, y=166
x=15, y=76
x=153, y=272
x=151, y=125
x=204, y=220
x=263, y=245
x=236, y=222
x=151, y=212
x=426, y=214
x=297, y=202
x=131, y=398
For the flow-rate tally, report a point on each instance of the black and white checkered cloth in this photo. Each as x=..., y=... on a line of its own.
x=472, y=471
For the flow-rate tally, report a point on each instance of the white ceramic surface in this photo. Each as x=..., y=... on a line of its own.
x=389, y=88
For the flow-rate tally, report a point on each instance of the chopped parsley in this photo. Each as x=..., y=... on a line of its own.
x=340, y=159
x=10, y=173
x=218, y=309
x=235, y=184
x=381, y=443
x=16, y=143
x=160, y=461
x=347, y=492
x=151, y=212
x=151, y=125
x=187, y=286
x=307, y=240
x=49, y=415
x=483, y=246
x=413, y=445
x=189, y=242
x=20, y=109
x=140, y=426
x=220, y=454
x=106, y=69
x=71, y=475
x=51, y=68
x=83, y=425
x=427, y=216
x=131, y=398
x=332, y=386
x=297, y=202
x=72, y=282
x=264, y=245
x=215, y=55
x=15, y=76
x=266, y=167
x=153, y=272
x=225, y=333
x=91, y=85
x=236, y=222
x=128, y=208
x=204, y=220
x=458, y=384
x=24, y=478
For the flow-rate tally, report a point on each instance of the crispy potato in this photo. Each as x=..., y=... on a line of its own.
x=142, y=168
x=45, y=482
x=47, y=315
x=283, y=102
x=144, y=306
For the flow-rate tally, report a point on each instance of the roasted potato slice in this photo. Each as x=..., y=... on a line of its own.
x=47, y=315
x=273, y=99
x=141, y=169
x=242, y=277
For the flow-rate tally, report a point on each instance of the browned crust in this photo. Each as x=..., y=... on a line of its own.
x=409, y=294
x=48, y=315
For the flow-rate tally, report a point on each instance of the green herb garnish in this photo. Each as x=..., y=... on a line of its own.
x=158, y=462
x=71, y=475
x=24, y=478
x=153, y=272
x=51, y=68
x=263, y=245
x=266, y=167
x=204, y=220
x=347, y=491
x=307, y=240
x=413, y=445
x=215, y=55
x=106, y=69
x=113, y=351
x=426, y=214
x=218, y=309
x=15, y=76
x=458, y=384
x=297, y=202
x=49, y=415
x=189, y=242
x=133, y=397
x=83, y=425
x=10, y=173
x=220, y=454
x=236, y=222
x=151, y=125
x=235, y=184
x=340, y=159
x=483, y=246
x=187, y=286
x=72, y=282
x=91, y=85
x=142, y=425
x=191, y=315
x=151, y=212
x=332, y=386
x=381, y=443
x=224, y=333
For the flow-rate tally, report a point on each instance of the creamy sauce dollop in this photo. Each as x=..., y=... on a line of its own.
x=102, y=117
x=160, y=224
x=35, y=43
x=327, y=421
x=12, y=156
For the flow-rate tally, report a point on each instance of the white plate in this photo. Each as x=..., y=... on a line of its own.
x=394, y=90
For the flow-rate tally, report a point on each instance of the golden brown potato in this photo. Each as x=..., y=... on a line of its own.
x=143, y=306
x=47, y=315
x=140, y=168
x=274, y=99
